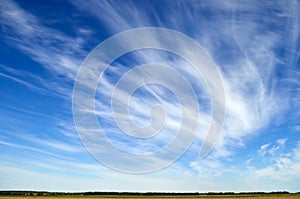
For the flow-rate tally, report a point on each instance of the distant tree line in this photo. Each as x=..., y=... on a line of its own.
x=45, y=193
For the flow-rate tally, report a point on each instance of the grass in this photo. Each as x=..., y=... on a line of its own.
x=250, y=196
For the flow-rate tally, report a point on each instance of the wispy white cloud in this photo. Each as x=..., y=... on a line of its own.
x=269, y=149
x=280, y=165
x=209, y=167
x=275, y=167
x=26, y=147
x=263, y=149
x=52, y=144
x=251, y=85
x=53, y=49
x=261, y=84
x=27, y=84
x=51, y=86
x=116, y=18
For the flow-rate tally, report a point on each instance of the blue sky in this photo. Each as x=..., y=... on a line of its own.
x=254, y=44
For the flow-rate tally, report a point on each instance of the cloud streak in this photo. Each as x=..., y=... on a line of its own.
x=251, y=89
x=56, y=51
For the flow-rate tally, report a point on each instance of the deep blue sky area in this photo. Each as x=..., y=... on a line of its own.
x=253, y=44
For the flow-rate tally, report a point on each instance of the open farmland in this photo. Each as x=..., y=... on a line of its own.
x=285, y=196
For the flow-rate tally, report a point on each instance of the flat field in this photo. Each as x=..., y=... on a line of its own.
x=286, y=196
